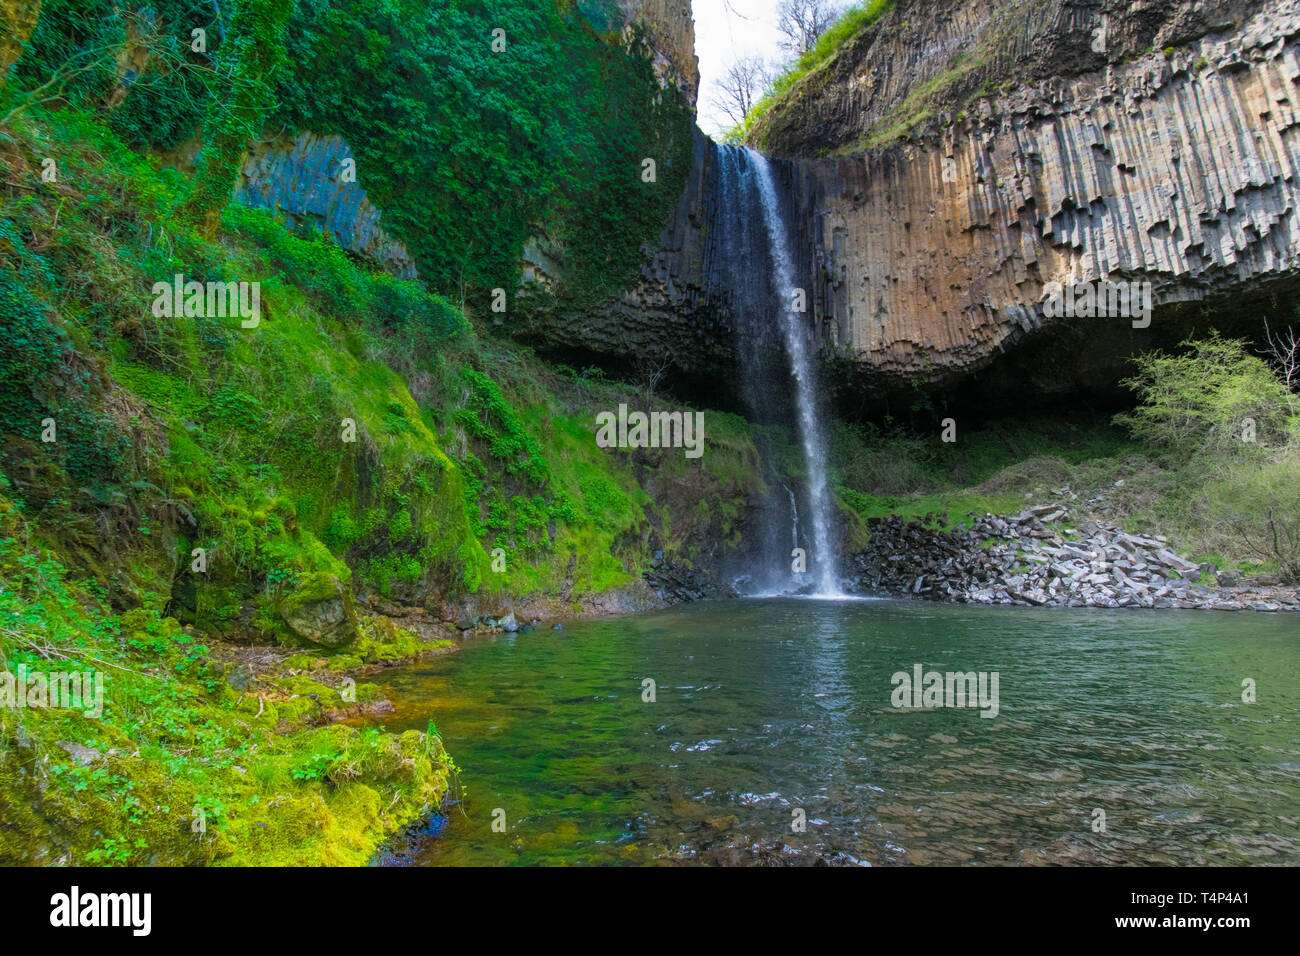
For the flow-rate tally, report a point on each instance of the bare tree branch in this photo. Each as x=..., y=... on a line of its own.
x=734, y=11
x=650, y=371
x=741, y=86
x=1284, y=350
x=803, y=21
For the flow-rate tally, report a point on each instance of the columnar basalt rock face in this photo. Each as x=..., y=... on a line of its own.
x=925, y=54
x=1175, y=167
x=1028, y=146
x=668, y=312
x=303, y=180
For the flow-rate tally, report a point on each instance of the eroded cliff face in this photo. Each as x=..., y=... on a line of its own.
x=1097, y=158
x=670, y=314
x=927, y=57
x=948, y=170
x=961, y=160
x=670, y=29
x=676, y=311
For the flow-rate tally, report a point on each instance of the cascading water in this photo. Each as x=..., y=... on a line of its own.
x=796, y=343
x=794, y=517
x=754, y=270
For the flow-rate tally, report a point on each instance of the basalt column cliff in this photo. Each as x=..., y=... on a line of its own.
x=957, y=158
x=1025, y=144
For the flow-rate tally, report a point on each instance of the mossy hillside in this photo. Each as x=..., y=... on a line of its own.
x=704, y=507
x=181, y=768
x=229, y=439
x=576, y=519
x=175, y=434
x=475, y=122
x=193, y=433
x=232, y=439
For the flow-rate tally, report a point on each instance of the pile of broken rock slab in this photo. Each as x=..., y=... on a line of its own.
x=1037, y=558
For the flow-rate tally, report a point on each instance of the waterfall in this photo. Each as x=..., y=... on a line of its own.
x=794, y=517
x=754, y=271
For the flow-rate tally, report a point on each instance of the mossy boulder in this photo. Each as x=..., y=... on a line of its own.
x=320, y=610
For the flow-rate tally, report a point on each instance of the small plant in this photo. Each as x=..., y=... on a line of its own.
x=112, y=850
x=448, y=762
x=278, y=579
x=314, y=767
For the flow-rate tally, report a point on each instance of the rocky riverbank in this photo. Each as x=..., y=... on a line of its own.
x=1038, y=557
x=680, y=584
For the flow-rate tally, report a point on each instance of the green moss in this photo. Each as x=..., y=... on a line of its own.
x=182, y=769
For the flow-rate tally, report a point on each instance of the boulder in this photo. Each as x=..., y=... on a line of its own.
x=320, y=610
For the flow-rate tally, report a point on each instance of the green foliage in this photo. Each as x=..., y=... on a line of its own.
x=1208, y=398
x=163, y=106
x=337, y=285
x=1183, y=470
x=30, y=353
x=1259, y=506
x=174, y=742
x=516, y=462
x=1229, y=427
x=852, y=22
x=488, y=416
x=468, y=149
x=38, y=385
x=614, y=212
x=251, y=60
x=1000, y=456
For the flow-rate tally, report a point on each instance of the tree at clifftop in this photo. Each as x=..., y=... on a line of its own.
x=803, y=21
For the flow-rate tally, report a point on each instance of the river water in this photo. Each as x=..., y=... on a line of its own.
x=766, y=712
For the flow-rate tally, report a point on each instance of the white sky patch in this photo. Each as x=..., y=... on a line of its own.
x=726, y=30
